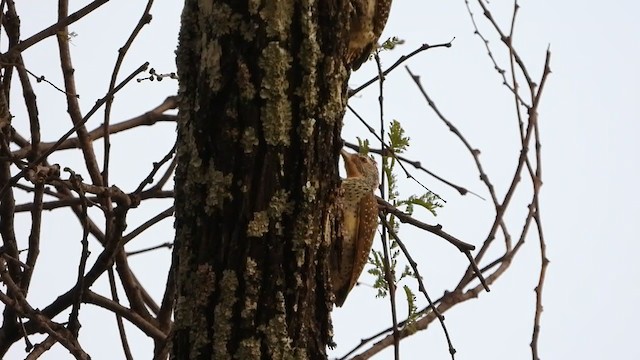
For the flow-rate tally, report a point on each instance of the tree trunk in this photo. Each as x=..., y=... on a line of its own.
x=262, y=96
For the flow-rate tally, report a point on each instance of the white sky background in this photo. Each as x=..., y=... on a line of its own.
x=589, y=124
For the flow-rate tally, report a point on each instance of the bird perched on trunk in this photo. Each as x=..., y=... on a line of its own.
x=368, y=18
x=360, y=221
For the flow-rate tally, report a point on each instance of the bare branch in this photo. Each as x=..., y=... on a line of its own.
x=144, y=20
x=55, y=28
x=399, y=62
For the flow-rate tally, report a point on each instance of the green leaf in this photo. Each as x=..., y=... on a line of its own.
x=391, y=43
x=428, y=201
x=380, y=283
x=399, y=142
x=412, y=315
x=363, y=146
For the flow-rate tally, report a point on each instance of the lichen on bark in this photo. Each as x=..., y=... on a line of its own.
x=278, y=205
x=223, y=313
x=276, y=113
x=258, y=141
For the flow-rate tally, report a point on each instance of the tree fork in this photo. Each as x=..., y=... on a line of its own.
x=262, y=96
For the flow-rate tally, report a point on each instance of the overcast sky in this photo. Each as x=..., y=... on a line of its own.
x=589, y=123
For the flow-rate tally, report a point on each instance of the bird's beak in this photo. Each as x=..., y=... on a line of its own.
x=349, y=165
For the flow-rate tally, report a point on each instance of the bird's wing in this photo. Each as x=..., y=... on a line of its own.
x=367, y=214
x=383, y=7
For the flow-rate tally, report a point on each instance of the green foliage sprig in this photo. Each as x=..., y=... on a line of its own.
x=398, y=144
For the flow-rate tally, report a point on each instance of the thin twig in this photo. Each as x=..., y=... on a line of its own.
x=121, y=330
x=167, y=245
x=55, y=28
x=86, y=118
x=147, y=119
x=34, y=236
x=389, y=276
x=74, y=323
x=149, y=223
x=40, y=348
x=73, y=201
x=147, y=327
x=122, y=52
x=402, y=59
x=73, y=104
x=421, y=286
x=418, y=165
x=155, y=169
x=434, y=229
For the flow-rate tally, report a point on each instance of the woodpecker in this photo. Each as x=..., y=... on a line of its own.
x=360, y=221
x=368, y=18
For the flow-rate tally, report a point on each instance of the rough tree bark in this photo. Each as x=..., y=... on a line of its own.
x=262, y=96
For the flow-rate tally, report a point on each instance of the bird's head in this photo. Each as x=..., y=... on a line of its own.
x=358, y=165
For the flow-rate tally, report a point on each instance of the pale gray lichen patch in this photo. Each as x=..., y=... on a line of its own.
x=249, y=348
x=306, y=129
x=309, y=190
x=278, y=15
x=223, y=313
x=251, y=268
x=302, y=230
x=249, y=140
x=252, y=283
x=336, y=73
x=218, y=188
x=303, y=235
x=276, y=112
x=185, y=257
x=201, y=177
x=327, y=232
x=219, y=17
x=210, y=62
x=192, y=303
x=309, y=54
x=300, y=354
x=281, y=163
x=245, y=86
x=259, y=225
x=186, y=149
x=279, y=204
x=279, y=345
x=253, y=6
x=204, y=281
x=252, y=277
x=248, y=30
x=216, y=183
